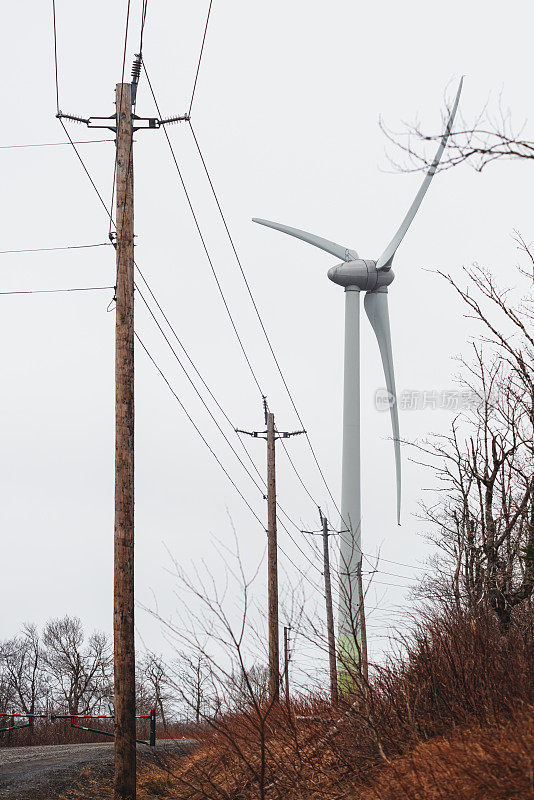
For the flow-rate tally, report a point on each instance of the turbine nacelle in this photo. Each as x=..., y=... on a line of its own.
x=361, y=274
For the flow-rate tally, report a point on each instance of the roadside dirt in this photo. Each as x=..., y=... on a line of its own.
x=40, y=773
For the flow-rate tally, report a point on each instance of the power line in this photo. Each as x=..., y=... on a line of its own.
x=225, y=438
x=393, y=574
x=197, y=224
x=52, y=144
x=55, y=53
x=368, y=556
x=228, y=442
x=197, y=429
x=157, y=303
x=110, y=213
x=49, y=249
x=205, y=248
x=303, y=574
x=213, y=397
x=213, y=270
x=80, y=159
x=143, y=21
x=193, y=365
x=56, y=291
x=262, y=325
x=200, y=57
x=125, y=42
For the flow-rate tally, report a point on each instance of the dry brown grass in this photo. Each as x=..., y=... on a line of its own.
x=452, y=720
x=490, y=763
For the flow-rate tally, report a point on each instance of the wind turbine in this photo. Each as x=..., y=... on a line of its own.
x=373, y=278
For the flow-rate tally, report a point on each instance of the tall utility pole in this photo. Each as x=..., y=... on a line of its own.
x=272, y=563
x=124, y=123
x=271, y=435
x=123, y=608
x=329, y=613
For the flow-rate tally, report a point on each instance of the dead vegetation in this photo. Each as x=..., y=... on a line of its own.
x=454, y=719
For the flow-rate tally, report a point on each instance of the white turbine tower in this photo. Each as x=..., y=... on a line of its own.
x=372, y=277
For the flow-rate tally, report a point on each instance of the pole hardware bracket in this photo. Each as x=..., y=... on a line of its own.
x=72, y=118
x=263, y=434
x=140, y=123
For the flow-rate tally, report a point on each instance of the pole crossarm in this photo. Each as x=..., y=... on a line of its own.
x=264, y=434
x=139, y=123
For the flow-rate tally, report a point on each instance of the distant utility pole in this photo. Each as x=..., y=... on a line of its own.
x=124, y=123
x=329, y=612
x=271, y=435
x=363, y=628
x=325, y=532
x=287, y=658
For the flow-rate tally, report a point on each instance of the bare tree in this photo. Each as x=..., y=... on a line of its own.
x=80, y=669
x=154, y=687
x=484, y=519
x=480, y=141
x=252, y=682
x=192, y=678
x=23, y=678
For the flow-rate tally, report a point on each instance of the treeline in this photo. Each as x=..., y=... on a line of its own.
x=62, y=670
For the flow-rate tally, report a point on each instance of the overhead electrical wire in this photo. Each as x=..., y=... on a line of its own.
x=58, y=291
x=200, y=57
x=198, y=228
x=368, y=558
x=72, y=143
x=143, y=21
x=118, y=122
x=52, y=144
x=80, y=159
x=112, y=222
x=55, y=53
x=206, y=386
x=219, y=284
x=204, y=245
x=262, y=325
x=197, y=429
x=218, y=460
x=263, y=328
x=50, y=249
x=67, y=134
x=281, y=509
x=212, y=416
x=196, y=370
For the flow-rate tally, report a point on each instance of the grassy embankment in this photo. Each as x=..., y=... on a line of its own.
x=452, y=720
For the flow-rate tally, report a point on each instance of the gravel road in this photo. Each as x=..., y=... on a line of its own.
x=28, y=773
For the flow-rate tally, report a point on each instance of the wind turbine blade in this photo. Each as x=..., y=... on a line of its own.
x=317, y=241
x=385, y=260
x=376, y=307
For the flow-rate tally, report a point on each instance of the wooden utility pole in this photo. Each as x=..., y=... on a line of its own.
x=329, y=614
x=271, y=435
x=286, y=661
x=363, y=628
x=272, y=565
x=123, y=613
x=123, y=602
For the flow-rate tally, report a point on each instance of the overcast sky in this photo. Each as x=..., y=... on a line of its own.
x=286, y=112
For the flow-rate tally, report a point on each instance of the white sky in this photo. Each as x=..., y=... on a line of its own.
x=286, y=112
